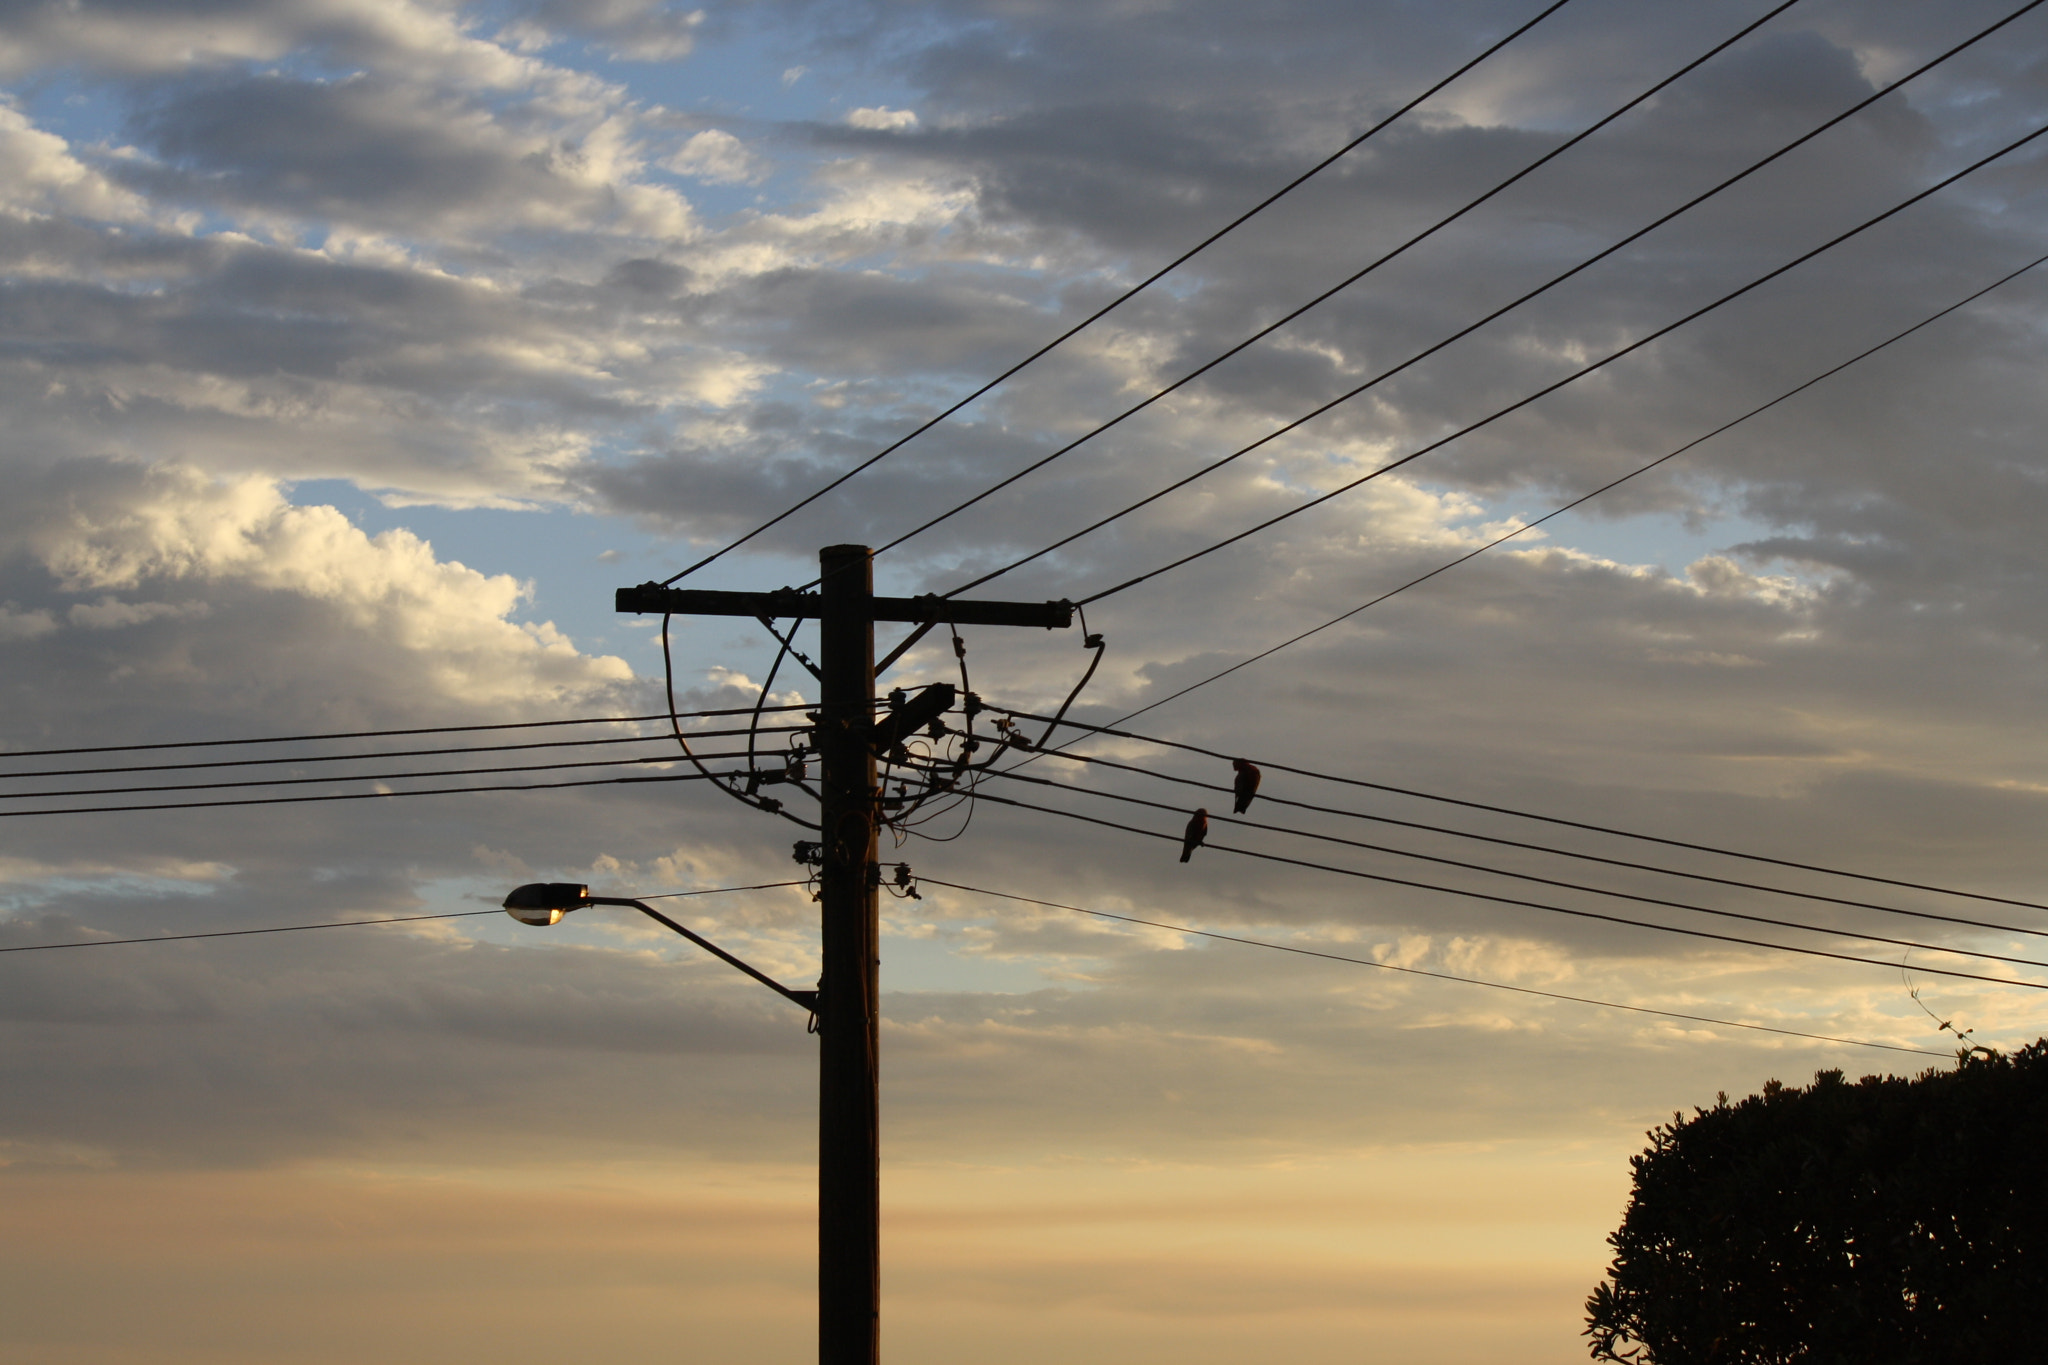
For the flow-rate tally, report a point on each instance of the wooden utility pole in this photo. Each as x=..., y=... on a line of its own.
x=849, y=1017
x=849, y=1005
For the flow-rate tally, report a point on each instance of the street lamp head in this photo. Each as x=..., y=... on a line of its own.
x=544, y=903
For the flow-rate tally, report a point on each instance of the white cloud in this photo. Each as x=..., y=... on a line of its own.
x=882, y=119
x=638, y=30
x=168, y=527
x=719, y=157
x=388, y=155
x=420, y=37
x=40, y=174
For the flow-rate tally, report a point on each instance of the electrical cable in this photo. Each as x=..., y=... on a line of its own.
x=672, y=715
x=1587, y=497
x=1517, y=405
x=784, y=644
x=970, y=706
x=351, y=777
x=1269, y=798
x=1418, y=971
x=1546, y=819
x=388, y=734
x=793, y=761
x=1344, y=284
x=346, y=923
x=355, y=796
x=397, y=753
x=238, y=933
x=1529, y=876
x=1510, y=900
x=668, y=687
x=720, y=890
x=1513, y=304
x=1130, y=293
x=1028, y=900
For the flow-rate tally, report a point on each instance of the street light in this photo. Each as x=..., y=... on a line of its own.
x=544, y=903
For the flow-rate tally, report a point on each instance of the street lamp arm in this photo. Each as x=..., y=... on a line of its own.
x=807, y=999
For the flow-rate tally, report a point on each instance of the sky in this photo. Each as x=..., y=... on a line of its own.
x=355, y=351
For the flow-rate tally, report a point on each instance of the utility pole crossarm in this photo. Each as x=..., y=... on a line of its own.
x=789, y=604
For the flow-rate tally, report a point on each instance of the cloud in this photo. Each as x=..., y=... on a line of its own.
x=639, y=30
x=111, y=614
x=41, y=176
x=718, y=157
x=130, y=38
x=387, y=156
x=882, y=120
x=436, y=253
x=16, y=624
x=163, y=533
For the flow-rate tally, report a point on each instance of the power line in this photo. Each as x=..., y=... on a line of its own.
x=1102, y=914
x=1531, y=815
x=1269, y=798
x=732, y=786
x=1130, y=293
x=720, y=890
x=1508, y=307
x=355, y=796
x=298, y=759
x=1587, y=497
x=1418, y=971
x=238, y=933
x=1528, y=876
x=1426, y=233
x=389, y=734
x=351, y=777
x=345, y=923
x=1521, y=403
x=1510, y=900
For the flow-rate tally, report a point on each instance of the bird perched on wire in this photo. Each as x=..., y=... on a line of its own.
x=1246, y=786
x=1198, y=830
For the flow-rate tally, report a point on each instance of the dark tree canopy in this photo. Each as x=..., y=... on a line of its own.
x=1893, y=1220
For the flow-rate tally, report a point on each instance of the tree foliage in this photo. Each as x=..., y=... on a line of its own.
x=1893, y=1220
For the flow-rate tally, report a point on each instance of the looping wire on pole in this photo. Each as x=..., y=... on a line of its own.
x=728, y=786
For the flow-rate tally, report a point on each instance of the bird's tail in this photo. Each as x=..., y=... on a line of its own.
x=1185, y=853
